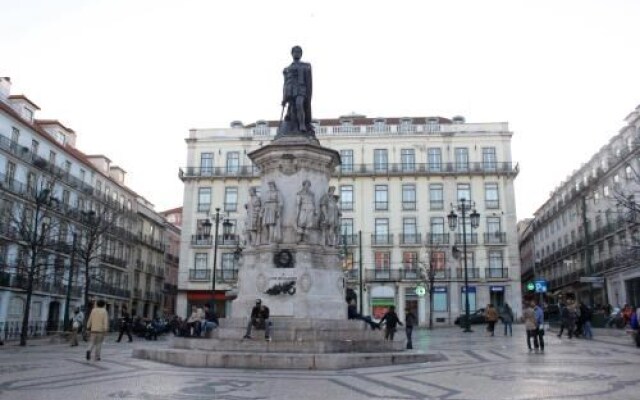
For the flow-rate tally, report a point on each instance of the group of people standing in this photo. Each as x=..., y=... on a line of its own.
x=576, y=319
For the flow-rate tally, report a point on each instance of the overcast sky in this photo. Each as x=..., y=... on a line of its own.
x=132, y=77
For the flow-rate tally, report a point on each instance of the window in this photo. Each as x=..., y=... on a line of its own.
x=34, y=147
x=346, y=197
x=204, y=199
x=409, y=196
x=409, y=231
x=382, y=260
x=32, y=179
x=380, y=160
x=408, y=159
x=231, y=198
x=201, y=261
x=15, y=136
x=493, y=225
x=436, y=196
x=98, y=187
x=346, y=156
x=438, y=263
x=489, y=160
x=491, y=198
x=67, y=167
x=83, y=175
x=16, y=308
x=346, y=228
x=228, y=265
x=410, y=261
x=434, y=159
x=52, y=157
x=10, y=173
x=381, y=197
x=437, y=233
x=206, y=164
x=440, y=299
x=495, y=264
x=462, y=159
x=233, y=162
x=381, y=235
x=463, y=192
x=65, y=197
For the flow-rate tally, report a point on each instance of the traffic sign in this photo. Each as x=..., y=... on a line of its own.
x=540, y=285
x=592, y=279
x=420, y=290
x=531, y=286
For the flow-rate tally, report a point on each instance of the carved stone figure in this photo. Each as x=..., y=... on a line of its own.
x=252, y=222
x=330, y=217
x=272, y=214
x=297, y=94
x=306, y=207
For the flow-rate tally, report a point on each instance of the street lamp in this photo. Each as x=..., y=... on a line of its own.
x=206, y=225
x=464, y=206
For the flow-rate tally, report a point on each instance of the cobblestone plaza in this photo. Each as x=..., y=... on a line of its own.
x=474, y=366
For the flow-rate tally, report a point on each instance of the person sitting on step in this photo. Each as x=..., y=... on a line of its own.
x=259, y=320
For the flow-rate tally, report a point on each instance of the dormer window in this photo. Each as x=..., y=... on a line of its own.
x=28, y=114
x=59, y=137
x=618, y=152
x=406, y=124
x=346, y=122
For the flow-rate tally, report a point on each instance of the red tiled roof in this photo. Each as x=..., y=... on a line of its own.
x=171, y=211
x=53, y=122
x=70, y=149
x=25, y=98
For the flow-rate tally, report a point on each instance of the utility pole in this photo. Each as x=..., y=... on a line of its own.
x=68, y=300
x=360, y=299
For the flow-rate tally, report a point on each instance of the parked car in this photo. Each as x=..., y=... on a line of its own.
x=476, y=317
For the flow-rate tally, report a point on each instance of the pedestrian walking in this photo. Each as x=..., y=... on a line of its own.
x=539, y=313
x=529, y=316
x=410, y=321
x=391, y=320
x=507, y=319
x=125, y=324
x=491, y=316
x=76, y=326
x=586, y=315
x=97, y=326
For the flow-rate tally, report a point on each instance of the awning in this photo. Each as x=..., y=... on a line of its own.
x=382, y=302
x=201, y=295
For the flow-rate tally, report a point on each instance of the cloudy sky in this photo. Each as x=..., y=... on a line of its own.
x=132, y=77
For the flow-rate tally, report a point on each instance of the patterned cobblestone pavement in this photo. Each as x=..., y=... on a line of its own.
x=476, y=367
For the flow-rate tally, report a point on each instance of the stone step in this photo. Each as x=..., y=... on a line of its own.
x=298, y=323
x=252, y=360
x=259, y=345
x=300, y=334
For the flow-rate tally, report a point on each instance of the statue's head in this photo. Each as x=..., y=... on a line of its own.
x=296, y=52
x=332, y=189
x=306, y=184
x=272, y=184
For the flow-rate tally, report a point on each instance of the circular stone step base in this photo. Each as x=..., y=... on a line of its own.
x=205, y=359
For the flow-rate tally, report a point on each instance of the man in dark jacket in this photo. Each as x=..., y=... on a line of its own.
x=125, y=324
x=259, y=320
x=210, y=321
x=391, y=320
x=410, y=321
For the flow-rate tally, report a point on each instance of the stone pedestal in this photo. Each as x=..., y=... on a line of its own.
x=300, y=257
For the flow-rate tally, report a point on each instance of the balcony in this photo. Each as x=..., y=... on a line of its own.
x=139, y=265
x=496, y=273
x=412, y=239
x=436, y=204
x=436, y=169
x=472, y=238
x=105, y=288
x=381, y=240
x=230, y=207
x=495, y=238
x=386, y=274
x=201, y=240
x=199, y=275
x=408, y=205
x=226, y=275
x=230, y=239
x=349, y=240
x=437, y=238
x=248, y=171
x=410, y=274
x=381, y=205
x=346, y=205
x=472, y=273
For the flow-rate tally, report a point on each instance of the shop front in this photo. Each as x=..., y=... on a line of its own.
x=382, y=297
x=218, y=301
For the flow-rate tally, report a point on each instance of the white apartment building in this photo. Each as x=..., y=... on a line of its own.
x=585, y=230
x=397, y=181
x=35, y=154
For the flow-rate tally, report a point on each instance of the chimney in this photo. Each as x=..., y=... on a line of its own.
x=5, y=87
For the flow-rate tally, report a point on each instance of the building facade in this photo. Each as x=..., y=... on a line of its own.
x=172, y=258
x=397, y=182
x=39, y=161
x=583, y=238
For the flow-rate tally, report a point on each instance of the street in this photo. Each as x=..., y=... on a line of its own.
x=476, y=367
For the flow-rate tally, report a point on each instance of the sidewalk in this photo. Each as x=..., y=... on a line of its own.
x=606, y=335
